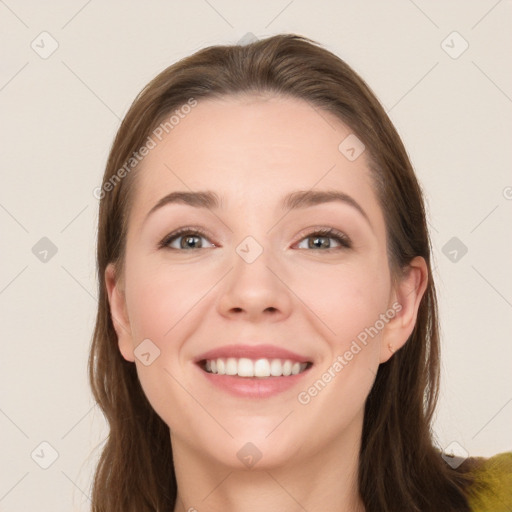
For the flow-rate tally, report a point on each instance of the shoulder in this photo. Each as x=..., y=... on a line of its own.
x=492, y=487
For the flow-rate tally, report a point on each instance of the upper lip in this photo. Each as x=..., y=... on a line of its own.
x=252, y=352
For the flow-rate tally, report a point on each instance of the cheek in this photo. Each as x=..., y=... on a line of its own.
x=160, y=305
x=160, y=298
x=150, y=309
x=166, y=305
x=343, y=300
x=350, y=305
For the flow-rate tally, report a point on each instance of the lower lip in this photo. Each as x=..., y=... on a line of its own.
x=253, y=387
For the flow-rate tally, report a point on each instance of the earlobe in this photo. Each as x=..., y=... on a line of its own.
x=407, y=298
x=118, y=312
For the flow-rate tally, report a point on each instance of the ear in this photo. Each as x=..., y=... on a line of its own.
x=405, y=302
x=118, y=312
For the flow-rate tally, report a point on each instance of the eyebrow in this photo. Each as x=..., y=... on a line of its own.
x=293, y=201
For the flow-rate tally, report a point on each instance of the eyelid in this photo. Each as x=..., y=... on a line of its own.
x=344, y=240
x=163, y=244
x=327, y=231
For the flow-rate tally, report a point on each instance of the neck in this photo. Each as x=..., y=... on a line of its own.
x=324, y=480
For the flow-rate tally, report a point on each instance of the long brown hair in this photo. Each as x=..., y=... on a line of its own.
x=400, y=468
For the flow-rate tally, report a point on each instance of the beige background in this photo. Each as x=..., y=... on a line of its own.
x=59, y=115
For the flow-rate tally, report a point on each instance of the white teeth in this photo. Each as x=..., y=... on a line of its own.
x=276, y=368
x=245, y=367
x=262, y=368
x=231, y=366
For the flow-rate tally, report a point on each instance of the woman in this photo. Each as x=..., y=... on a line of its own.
x=267, y=331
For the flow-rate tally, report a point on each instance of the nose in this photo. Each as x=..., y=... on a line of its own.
x=255, y=290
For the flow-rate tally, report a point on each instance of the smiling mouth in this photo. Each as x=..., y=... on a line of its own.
x=259, y=368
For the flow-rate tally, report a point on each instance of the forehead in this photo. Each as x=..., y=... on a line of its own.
x=252, y=148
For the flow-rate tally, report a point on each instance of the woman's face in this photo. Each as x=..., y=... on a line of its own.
x=249, y=286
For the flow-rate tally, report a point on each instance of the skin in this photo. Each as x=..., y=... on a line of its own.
x=252, y=150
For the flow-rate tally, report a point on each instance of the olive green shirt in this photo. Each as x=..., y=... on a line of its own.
x=492, y=491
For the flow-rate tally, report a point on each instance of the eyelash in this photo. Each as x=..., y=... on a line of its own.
x=340, y=237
